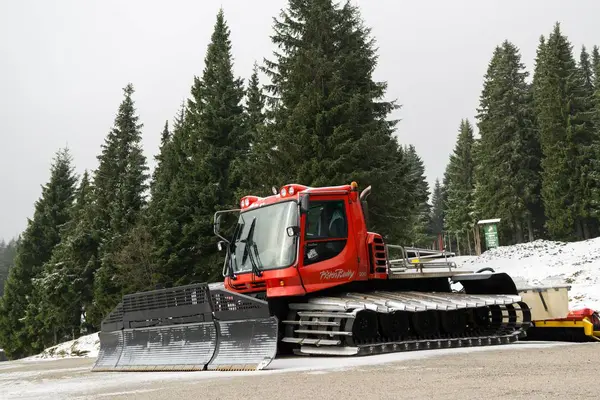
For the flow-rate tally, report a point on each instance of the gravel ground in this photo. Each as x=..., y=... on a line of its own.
x=517, y=372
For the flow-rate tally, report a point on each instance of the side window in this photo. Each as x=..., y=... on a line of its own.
x=326, y=219
x=326, y=230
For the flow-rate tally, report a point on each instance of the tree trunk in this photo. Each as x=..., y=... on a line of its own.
x=530, y=228
x=457, y=244
x=477, y=239
x=579, y=229
x=469, y=243
x=586, y=230
x=519, y=232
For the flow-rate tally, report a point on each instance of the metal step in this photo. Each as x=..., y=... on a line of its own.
x=328, y=333
x=317, y=314
x=311, y=323
x=312, y=341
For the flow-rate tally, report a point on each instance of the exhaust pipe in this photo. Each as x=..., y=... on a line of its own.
x=365, y=207
x=365, y=193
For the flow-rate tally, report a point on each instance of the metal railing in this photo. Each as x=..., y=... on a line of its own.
x=419, y=259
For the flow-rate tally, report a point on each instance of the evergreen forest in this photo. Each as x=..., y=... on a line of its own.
x=318, y=118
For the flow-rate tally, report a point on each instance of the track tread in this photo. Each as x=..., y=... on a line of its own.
x=500, y=326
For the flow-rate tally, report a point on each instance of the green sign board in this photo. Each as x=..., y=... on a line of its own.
x=491, y=236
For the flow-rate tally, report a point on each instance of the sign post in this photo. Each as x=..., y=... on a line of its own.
x=490, y=229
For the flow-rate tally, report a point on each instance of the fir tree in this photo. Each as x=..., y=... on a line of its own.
x=460, y=184
x=209, y=145
x=566, y=137
x=420, y=224
x=217, y=115
x=508, y=157
x=18, y=336
x=255, y=176
x=119, y=198
x=64, y=284
x=160, y=177
x=255, y=105
x=583, y=129
x=437, y=210
x=596, y=65
x=327, y=117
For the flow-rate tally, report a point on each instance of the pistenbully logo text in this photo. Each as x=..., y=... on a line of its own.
x=337, y=274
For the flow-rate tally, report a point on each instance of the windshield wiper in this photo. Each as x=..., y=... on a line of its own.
x=232, y=246
x=250, y=242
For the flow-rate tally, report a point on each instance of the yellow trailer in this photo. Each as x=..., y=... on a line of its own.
x=552, y=319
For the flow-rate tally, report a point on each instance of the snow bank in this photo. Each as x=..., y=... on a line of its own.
x=544, y=262
x=85, y=346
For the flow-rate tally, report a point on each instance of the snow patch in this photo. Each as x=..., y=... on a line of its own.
x=85, y=346
x=542, y=263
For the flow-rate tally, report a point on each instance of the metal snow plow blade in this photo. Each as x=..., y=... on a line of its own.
x=187, y=328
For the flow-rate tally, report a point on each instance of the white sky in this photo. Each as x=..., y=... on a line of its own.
x=63, y=64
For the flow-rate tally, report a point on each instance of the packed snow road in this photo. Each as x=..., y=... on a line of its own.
x=519, y=371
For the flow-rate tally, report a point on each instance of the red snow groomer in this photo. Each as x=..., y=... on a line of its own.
x=303, y=275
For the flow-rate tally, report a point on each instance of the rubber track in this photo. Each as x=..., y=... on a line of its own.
x=326, y=325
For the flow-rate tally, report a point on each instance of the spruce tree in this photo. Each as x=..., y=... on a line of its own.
x=594, y=173
x=327, y=118
x=508, y=157
x=170, y=210
x=420, y=233
x=209, y=147
x=584, y=129
x=460, y=185
x=160, y=177
x=437, y=210
x=596, y=65
x=65, y=276
x=217, y=115
x=255, y=116
x=567, y=139
x=255, y=174
x=120, y=183
x=18, y=336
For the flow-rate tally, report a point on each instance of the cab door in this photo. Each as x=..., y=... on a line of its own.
x=328, y=251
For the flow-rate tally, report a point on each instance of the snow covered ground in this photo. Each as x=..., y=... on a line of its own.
x=543, y=262
x=85, y=346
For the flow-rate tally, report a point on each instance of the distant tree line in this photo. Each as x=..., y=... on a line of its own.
x=320, y=120
x=535, y=163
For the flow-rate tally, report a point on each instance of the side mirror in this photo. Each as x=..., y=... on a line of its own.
x=218, y=223
x=293, y=231
x=303, y=204
x=221, y=245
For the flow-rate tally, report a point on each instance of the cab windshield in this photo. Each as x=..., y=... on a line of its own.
x=262, y=237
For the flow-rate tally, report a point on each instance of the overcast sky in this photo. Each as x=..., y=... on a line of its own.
x=63, y=64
